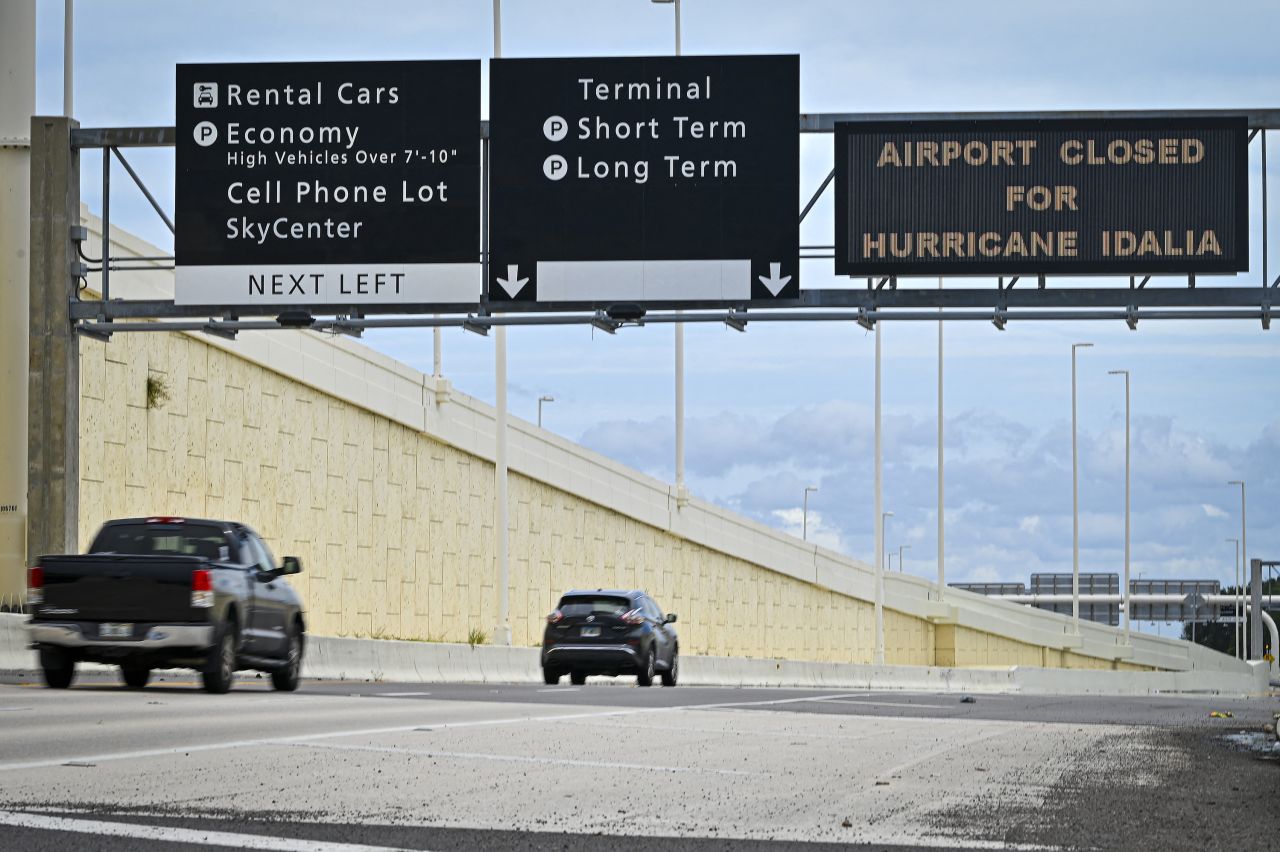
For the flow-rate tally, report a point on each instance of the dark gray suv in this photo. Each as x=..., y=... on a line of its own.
x=610, y=632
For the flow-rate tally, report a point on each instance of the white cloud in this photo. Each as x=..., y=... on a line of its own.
x=1213, y=511
x=1029, y=524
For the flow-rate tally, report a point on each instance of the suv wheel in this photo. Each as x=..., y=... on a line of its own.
x=670, y=675
x=578, y=678
x=287, y=678
x=550, y=676
x=645, y=676
x=220, y=667
x=134, y=675
x=58, y=668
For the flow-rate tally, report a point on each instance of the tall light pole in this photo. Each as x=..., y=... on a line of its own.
x=1236, y=607
x=879, y=652
x=1242, y=559
x=681, y=492
x=1075, y=498
x=901, y=548
x=1125, y=373
x=804, y=535
x=541, y=400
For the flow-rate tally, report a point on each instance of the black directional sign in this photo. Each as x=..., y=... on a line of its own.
x=650, y=180
x=1063, y=196
x=351, y=183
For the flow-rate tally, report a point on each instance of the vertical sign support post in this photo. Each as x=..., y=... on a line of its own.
x=1125, y=596
x=682, y=493
x=942, y=573
x=880, y=514
x=500, y=427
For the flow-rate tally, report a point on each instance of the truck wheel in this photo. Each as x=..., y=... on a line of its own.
x=135, y=676
x=578, y=678
x=220, y=668
x=550, y=676
x=58, y=667
x=286, y=679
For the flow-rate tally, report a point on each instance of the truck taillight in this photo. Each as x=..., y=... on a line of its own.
x=555, y=617
x=35, y=586
x=633, y=617
x=201, y=588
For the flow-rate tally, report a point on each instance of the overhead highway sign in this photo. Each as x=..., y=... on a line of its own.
x=648, y=180
x=343, y=183
x=1061, y=196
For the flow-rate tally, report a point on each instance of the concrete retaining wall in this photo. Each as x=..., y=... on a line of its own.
x=334, y=658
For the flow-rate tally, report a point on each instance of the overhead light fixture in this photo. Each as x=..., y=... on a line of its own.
x=296, y=319
x=736, y=321
x=1131, y=318
x=601, y=321
x=999, y=319
x=865, y=320
x=474, y=326
x=215, y=328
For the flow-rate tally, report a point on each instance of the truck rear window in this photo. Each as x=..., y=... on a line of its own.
x=582, y=605
x=163, y=540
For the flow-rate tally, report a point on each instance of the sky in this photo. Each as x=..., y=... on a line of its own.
x=789, y=405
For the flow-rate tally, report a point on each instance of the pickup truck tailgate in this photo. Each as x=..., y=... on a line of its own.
x=120, y=587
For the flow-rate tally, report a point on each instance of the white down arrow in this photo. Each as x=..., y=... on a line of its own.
x=513, y=282
x=773, y=283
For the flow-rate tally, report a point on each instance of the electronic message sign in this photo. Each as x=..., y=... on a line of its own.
x=350, y=183
x=1062, y=196
x=644, y=179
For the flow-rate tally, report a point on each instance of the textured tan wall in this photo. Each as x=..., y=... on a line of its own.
x=394, y=528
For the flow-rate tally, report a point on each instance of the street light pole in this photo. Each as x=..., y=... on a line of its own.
x=804, y=535
x=541, y=400
x=901, y=548
x=942, y=573
x=1125, y=373
x=1242, y=559
x=1236, y=607
x=1075, y=499
x=879, y=653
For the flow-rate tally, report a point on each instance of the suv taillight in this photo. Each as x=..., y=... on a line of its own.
x=35, y=586
x=633, y=617
x=555, y=617
x=201, y=588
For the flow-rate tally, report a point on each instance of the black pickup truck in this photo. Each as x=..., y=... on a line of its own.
x=167, y=592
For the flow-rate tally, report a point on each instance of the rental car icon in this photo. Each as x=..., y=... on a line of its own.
x=206, y=95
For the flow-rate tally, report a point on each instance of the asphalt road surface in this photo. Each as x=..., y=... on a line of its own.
x=345, y=766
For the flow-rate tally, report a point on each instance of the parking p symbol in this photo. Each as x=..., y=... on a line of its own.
x=206, y=134
x=555, y=167
x=555, y=128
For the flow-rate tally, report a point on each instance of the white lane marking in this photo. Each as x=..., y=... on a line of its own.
x=677, y=729
x=394, y=694
x=199, y=837
x=889, y=703
x=560, y=689
x=520, y=758
x=397, y=729
x=13, y=709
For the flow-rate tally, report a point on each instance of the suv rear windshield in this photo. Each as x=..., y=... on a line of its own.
x=584, y=605
x=163, y=540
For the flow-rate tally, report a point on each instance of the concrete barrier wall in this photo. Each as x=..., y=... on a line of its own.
x=382, y=481
x=334, y=658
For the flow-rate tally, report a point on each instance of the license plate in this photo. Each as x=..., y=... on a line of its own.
x=115, y=631
x=591, y=631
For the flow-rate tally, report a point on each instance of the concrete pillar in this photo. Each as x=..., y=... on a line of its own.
x=53, y=430
x=17, y=103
